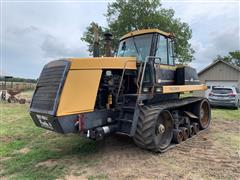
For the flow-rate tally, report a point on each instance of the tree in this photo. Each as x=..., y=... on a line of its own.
x=232, y=58
x=88, y=36
x=235, y=57
x=124, y=16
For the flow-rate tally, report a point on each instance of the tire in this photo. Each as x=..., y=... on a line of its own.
x=237, y=105
x=22, y=101
x=203, y=111
x=12, y=100
x=154, y=129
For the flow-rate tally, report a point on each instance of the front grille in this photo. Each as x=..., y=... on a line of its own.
x=49, y=86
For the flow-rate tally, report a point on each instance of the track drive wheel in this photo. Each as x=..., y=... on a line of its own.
x=154, y=130
x=203, y=111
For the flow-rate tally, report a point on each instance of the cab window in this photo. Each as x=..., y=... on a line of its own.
x=162, y=50
x=136, y=46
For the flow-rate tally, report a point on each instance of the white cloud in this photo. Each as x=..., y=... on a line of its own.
x=55, y=48
x=36, y=33
x=221, y=43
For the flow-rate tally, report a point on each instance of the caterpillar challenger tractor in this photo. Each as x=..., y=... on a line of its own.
x=136, y=93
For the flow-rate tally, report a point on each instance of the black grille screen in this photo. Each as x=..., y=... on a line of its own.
x=49, y=86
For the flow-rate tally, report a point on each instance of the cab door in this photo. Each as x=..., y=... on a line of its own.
x=164, y=67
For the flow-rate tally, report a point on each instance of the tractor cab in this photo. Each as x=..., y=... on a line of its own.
x=155, y=48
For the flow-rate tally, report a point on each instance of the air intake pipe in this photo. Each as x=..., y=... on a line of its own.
x=95, y=41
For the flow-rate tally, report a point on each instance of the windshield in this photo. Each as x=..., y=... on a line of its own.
x=136, y=46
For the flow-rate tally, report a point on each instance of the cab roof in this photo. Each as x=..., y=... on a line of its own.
x=145, y=31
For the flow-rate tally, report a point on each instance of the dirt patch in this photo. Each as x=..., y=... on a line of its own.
x=203, y=157
x=4, y=159
x=24, y=150
x=48, y=163
x=5, y=139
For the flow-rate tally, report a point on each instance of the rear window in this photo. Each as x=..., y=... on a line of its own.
x=222, y=91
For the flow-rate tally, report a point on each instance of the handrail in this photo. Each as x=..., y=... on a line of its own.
x=144, y=68
x=139, y=74
x=120, y=85
x=142, y=77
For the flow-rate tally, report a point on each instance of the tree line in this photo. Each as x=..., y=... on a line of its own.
x=232, y=58
x=17, y=79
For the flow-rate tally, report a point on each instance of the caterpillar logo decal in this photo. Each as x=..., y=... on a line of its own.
x=174, y=88
x=43, y=120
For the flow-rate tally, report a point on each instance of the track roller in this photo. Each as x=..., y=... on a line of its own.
x=191, y=130
x=185, y=133
x=177, y=136
x=195, y=127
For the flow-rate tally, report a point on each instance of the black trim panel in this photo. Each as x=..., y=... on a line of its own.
x=45, y=81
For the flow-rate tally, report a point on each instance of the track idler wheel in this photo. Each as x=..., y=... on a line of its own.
x=177, y=136
x=203, y=111
x=185, y=133
x=195, y=127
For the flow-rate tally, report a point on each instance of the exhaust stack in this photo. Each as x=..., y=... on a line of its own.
x=107, y=45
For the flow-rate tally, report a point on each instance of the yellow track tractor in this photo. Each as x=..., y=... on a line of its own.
x=136, y=93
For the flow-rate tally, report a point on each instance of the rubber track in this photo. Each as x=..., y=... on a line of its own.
x=147, y=116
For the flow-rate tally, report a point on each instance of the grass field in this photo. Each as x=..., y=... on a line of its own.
x=28, y=152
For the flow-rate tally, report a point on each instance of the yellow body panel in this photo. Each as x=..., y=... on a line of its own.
x=183, y=88
x=82, y=81
x=145, y=31
x=79, y=92
x=103, y=63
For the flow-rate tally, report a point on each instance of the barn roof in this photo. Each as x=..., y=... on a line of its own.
x=216, y=62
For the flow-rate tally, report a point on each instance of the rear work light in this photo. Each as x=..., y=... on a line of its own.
x=232, y=94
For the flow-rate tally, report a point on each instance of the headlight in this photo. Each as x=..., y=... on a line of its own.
x=159, y=89
x=145, y=89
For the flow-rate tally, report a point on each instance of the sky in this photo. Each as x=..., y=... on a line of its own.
x=36, y=32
